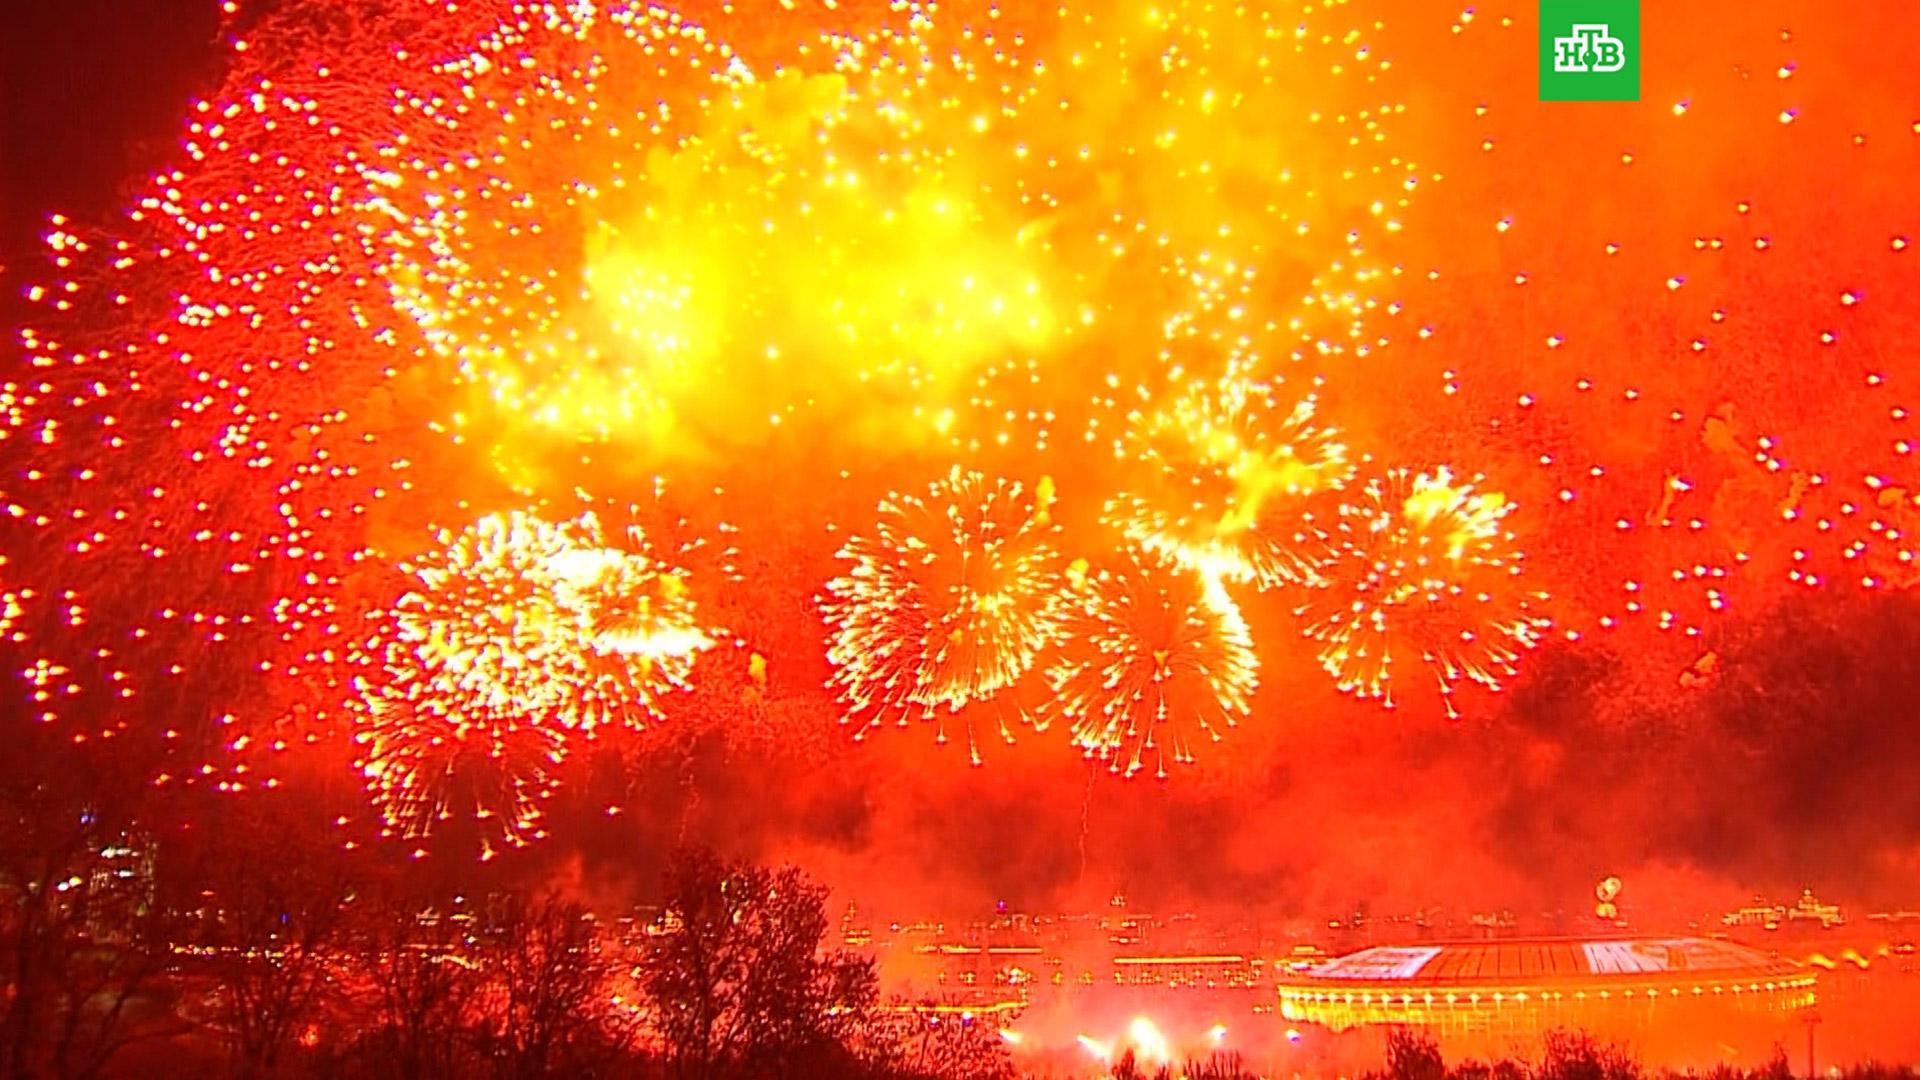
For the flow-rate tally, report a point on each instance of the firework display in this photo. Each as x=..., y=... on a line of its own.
x=1427, y=573
x=1161, y=662
x=423, y=769
x=951, y=602
x=515, y=632
x=407, y=271
x=1234, y=476
x=629, y=606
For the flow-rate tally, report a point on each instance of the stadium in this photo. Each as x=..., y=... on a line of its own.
x=1521, y=986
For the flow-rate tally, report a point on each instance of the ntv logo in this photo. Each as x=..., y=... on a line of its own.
x=1589, y=50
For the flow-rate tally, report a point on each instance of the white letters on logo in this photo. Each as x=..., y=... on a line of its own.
x=1589, y=48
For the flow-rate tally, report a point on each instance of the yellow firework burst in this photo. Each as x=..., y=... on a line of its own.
x=949, y=603
x=1228, y=484
x=1159, y=660
x=1427, y=573
x=513, y=625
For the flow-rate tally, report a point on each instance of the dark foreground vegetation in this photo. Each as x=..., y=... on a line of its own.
x=1565, y=1055
x=1572, y=1055
x=274, y=968
x=244, y=948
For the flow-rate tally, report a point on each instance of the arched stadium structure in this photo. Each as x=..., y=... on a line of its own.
x=1529, y=986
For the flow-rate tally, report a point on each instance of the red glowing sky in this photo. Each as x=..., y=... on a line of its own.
x=1677, y=334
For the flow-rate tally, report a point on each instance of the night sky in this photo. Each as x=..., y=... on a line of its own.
x=1676, y=335
x=90, y=96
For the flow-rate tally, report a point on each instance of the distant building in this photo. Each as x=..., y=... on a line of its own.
x=1530, y=986
x=1495, y=922
x=854, y=933
x=121, y=884
x=1809, y=910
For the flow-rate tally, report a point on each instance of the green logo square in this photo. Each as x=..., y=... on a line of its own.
x=1589, y=50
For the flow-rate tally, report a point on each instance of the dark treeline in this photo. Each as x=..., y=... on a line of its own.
x=1565, y=1055
x=1213, y=1067
x=300, y=975
x=246, y=944
x=1574, y=1055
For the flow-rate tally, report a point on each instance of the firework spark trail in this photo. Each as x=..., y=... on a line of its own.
x=1086, y=814
x=1428, y=571
x=1160, y=659
x=949, y=604
x=1231, y=482
x=514, y=625
x=424, y=768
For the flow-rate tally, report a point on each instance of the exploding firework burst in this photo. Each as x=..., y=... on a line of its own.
x=950, y=602
x=1159, y=661
x=1429, y=573
x=630, y=606
x=685, y=275
x=516, y=624
x=545, y=241
x=1230, y=478
x=544, y=620
x=402, y=260
x=424, y=769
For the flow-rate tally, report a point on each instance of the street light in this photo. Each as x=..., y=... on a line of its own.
x=1812, y=1020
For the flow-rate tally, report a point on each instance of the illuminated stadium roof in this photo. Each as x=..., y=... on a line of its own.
x=1557, y=961
x=1419, y=983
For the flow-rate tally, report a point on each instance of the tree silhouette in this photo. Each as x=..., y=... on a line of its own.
x=83, y=949
x=271, y=945
x=737, y=982
x=919, y=1043
x=1414, y=1055
x=546, y=1000
x=421, y=996
x=1573, y=1055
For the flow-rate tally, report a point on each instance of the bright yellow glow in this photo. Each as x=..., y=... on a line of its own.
x=1147, y=1040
